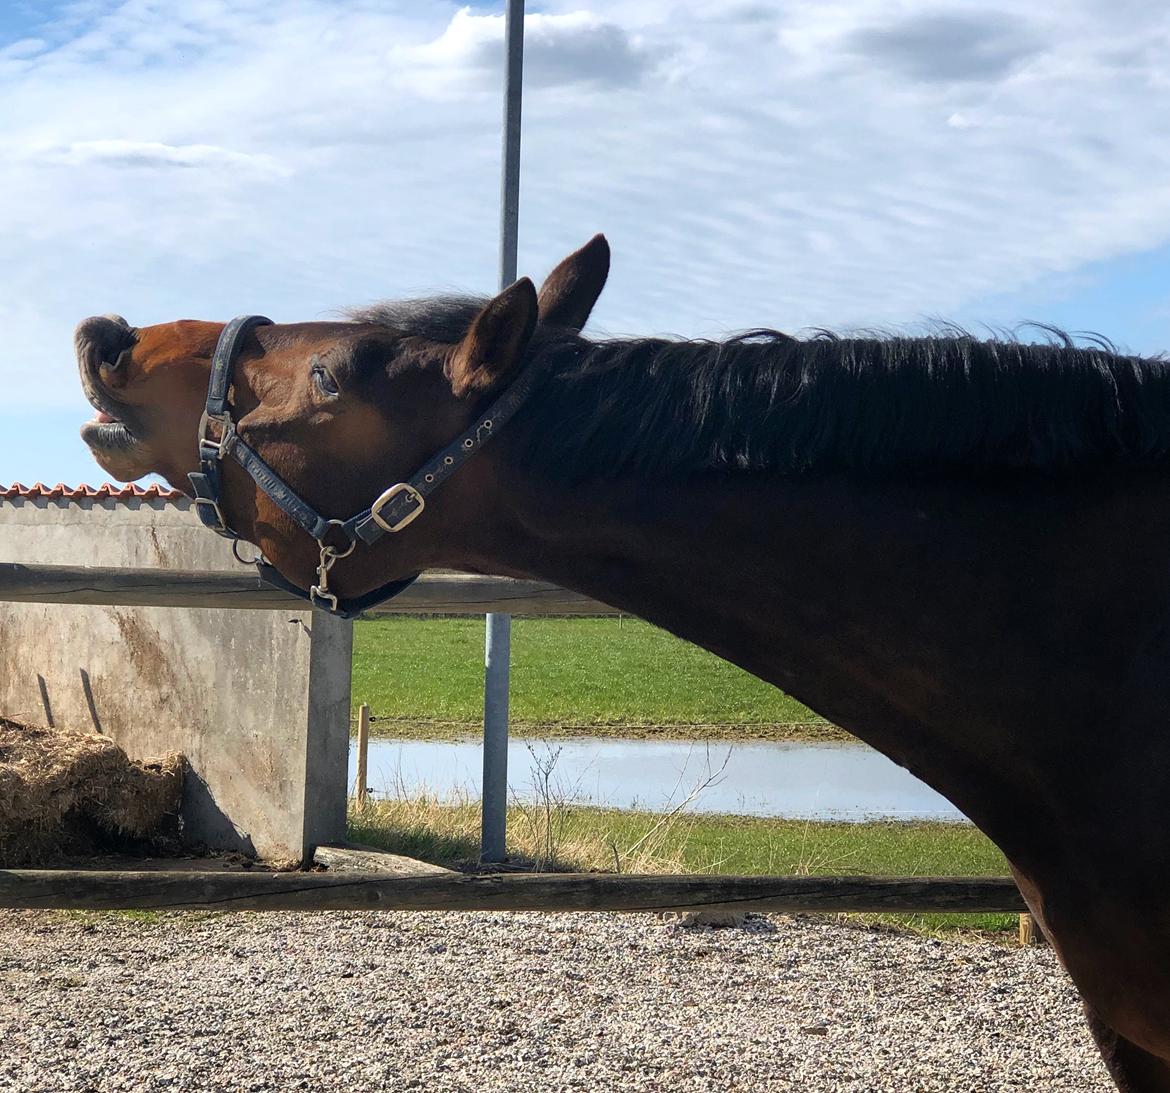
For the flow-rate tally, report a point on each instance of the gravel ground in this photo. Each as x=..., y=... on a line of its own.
x=437, y=1002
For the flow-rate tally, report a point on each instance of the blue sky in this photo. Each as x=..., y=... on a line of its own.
x=796, y=163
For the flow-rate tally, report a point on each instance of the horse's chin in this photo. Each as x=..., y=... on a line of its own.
x=116, y=450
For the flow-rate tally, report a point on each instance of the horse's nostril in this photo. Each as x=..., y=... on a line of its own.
x=113, y=372
x=103, y=342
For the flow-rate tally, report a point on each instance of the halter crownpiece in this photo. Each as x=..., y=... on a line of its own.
x=394, y=509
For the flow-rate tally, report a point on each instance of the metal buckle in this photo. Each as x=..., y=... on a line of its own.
x=222, y=527
x=218, y=448
x=388, y=496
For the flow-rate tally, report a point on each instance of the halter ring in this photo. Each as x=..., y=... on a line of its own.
x=332, y=551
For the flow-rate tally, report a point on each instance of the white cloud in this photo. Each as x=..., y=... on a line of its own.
x=796, y=163
x=576, y=47
x=152, y=153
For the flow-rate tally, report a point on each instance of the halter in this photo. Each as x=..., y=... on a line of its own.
x=394, y=509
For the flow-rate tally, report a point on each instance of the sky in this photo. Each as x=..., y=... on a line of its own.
x=794, y=164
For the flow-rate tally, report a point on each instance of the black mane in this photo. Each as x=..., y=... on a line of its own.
x=436, y=318
x=765, y=401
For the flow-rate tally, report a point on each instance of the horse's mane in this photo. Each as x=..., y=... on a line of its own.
x=766, y=401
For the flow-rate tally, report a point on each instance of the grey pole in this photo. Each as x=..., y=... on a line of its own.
x=498, y=641
x=510, y=184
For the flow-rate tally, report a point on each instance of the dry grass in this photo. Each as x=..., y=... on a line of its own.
x=555, y=836
x=553, y=839
x=546, y=832
x=64, y=793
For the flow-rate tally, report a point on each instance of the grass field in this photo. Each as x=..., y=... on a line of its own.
x=556, y=836
x=423, y=678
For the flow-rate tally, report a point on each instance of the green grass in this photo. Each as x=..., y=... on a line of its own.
x=602, y=676
x=424, y=678
x=85, y=918
x=570, y=837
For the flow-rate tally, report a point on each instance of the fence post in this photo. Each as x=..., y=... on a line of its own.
x=498, y=637
x=363, y=753
x=497, y=653
x=1030, y=933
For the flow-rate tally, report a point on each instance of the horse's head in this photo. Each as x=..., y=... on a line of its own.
x=338, y=409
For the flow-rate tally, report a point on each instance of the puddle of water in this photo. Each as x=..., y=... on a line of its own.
x=794, y=780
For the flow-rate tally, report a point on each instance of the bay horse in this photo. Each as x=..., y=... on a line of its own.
x=957, y=549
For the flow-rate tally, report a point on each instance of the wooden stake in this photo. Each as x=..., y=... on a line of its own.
x=363, y=753
x=1027, y=930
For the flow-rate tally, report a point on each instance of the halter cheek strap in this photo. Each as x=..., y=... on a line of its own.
x=394, y=509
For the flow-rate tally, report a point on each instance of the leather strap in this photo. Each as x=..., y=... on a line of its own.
x=206, y=483
x=393, y=510
x=226, y=350
x=408, y=502
x=348, y=608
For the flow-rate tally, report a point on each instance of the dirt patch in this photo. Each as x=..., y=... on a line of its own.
x=66, y=793
x=144, y=648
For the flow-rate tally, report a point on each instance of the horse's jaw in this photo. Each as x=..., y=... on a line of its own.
x=115, y=448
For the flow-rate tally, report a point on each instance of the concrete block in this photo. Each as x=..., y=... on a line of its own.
x=258, y=701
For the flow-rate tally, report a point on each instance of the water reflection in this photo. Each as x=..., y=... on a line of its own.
x=796, y=780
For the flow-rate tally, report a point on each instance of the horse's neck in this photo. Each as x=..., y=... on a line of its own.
x=786, y=578
x=953, y=627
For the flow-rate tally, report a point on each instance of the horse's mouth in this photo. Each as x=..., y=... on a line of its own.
x=116, y=447
x=105, y=433
x=112, y=435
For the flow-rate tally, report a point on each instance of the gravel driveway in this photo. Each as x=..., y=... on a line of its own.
x=437, y=1002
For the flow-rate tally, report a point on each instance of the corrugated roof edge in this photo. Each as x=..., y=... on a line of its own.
x=107, y=490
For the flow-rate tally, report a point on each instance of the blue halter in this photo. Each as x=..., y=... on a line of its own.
x=394, y=509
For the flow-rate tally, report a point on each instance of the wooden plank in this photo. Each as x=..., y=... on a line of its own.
x=363, y=754
x=99, y=890
x=1030, y=932
x=355, y=858
x=432, y=593
x=136, y=587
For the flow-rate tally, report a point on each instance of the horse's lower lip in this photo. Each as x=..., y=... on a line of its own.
x=106, y=433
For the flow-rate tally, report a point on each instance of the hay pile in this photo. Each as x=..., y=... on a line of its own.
x=64, y=793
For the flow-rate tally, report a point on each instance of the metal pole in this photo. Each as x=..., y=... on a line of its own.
x=498, y=639
x=495, y=738
x=510, y=184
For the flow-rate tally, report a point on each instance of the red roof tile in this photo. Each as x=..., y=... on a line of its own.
x=79, y=493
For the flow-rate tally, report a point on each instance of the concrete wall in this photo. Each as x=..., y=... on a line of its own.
x=258, y=701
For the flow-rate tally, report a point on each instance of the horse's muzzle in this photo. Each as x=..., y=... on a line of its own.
x=99, y=342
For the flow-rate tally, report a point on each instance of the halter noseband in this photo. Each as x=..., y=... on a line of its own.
x=394, y=509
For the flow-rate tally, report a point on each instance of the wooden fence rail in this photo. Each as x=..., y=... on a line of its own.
x=432, y=593
x=254, y=891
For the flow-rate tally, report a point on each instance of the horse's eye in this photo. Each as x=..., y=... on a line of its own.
x=325, y=382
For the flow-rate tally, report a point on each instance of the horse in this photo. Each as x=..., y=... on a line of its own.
x=957, y=549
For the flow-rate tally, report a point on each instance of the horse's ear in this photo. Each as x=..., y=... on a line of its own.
x=570, y=291
x=494, y=346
